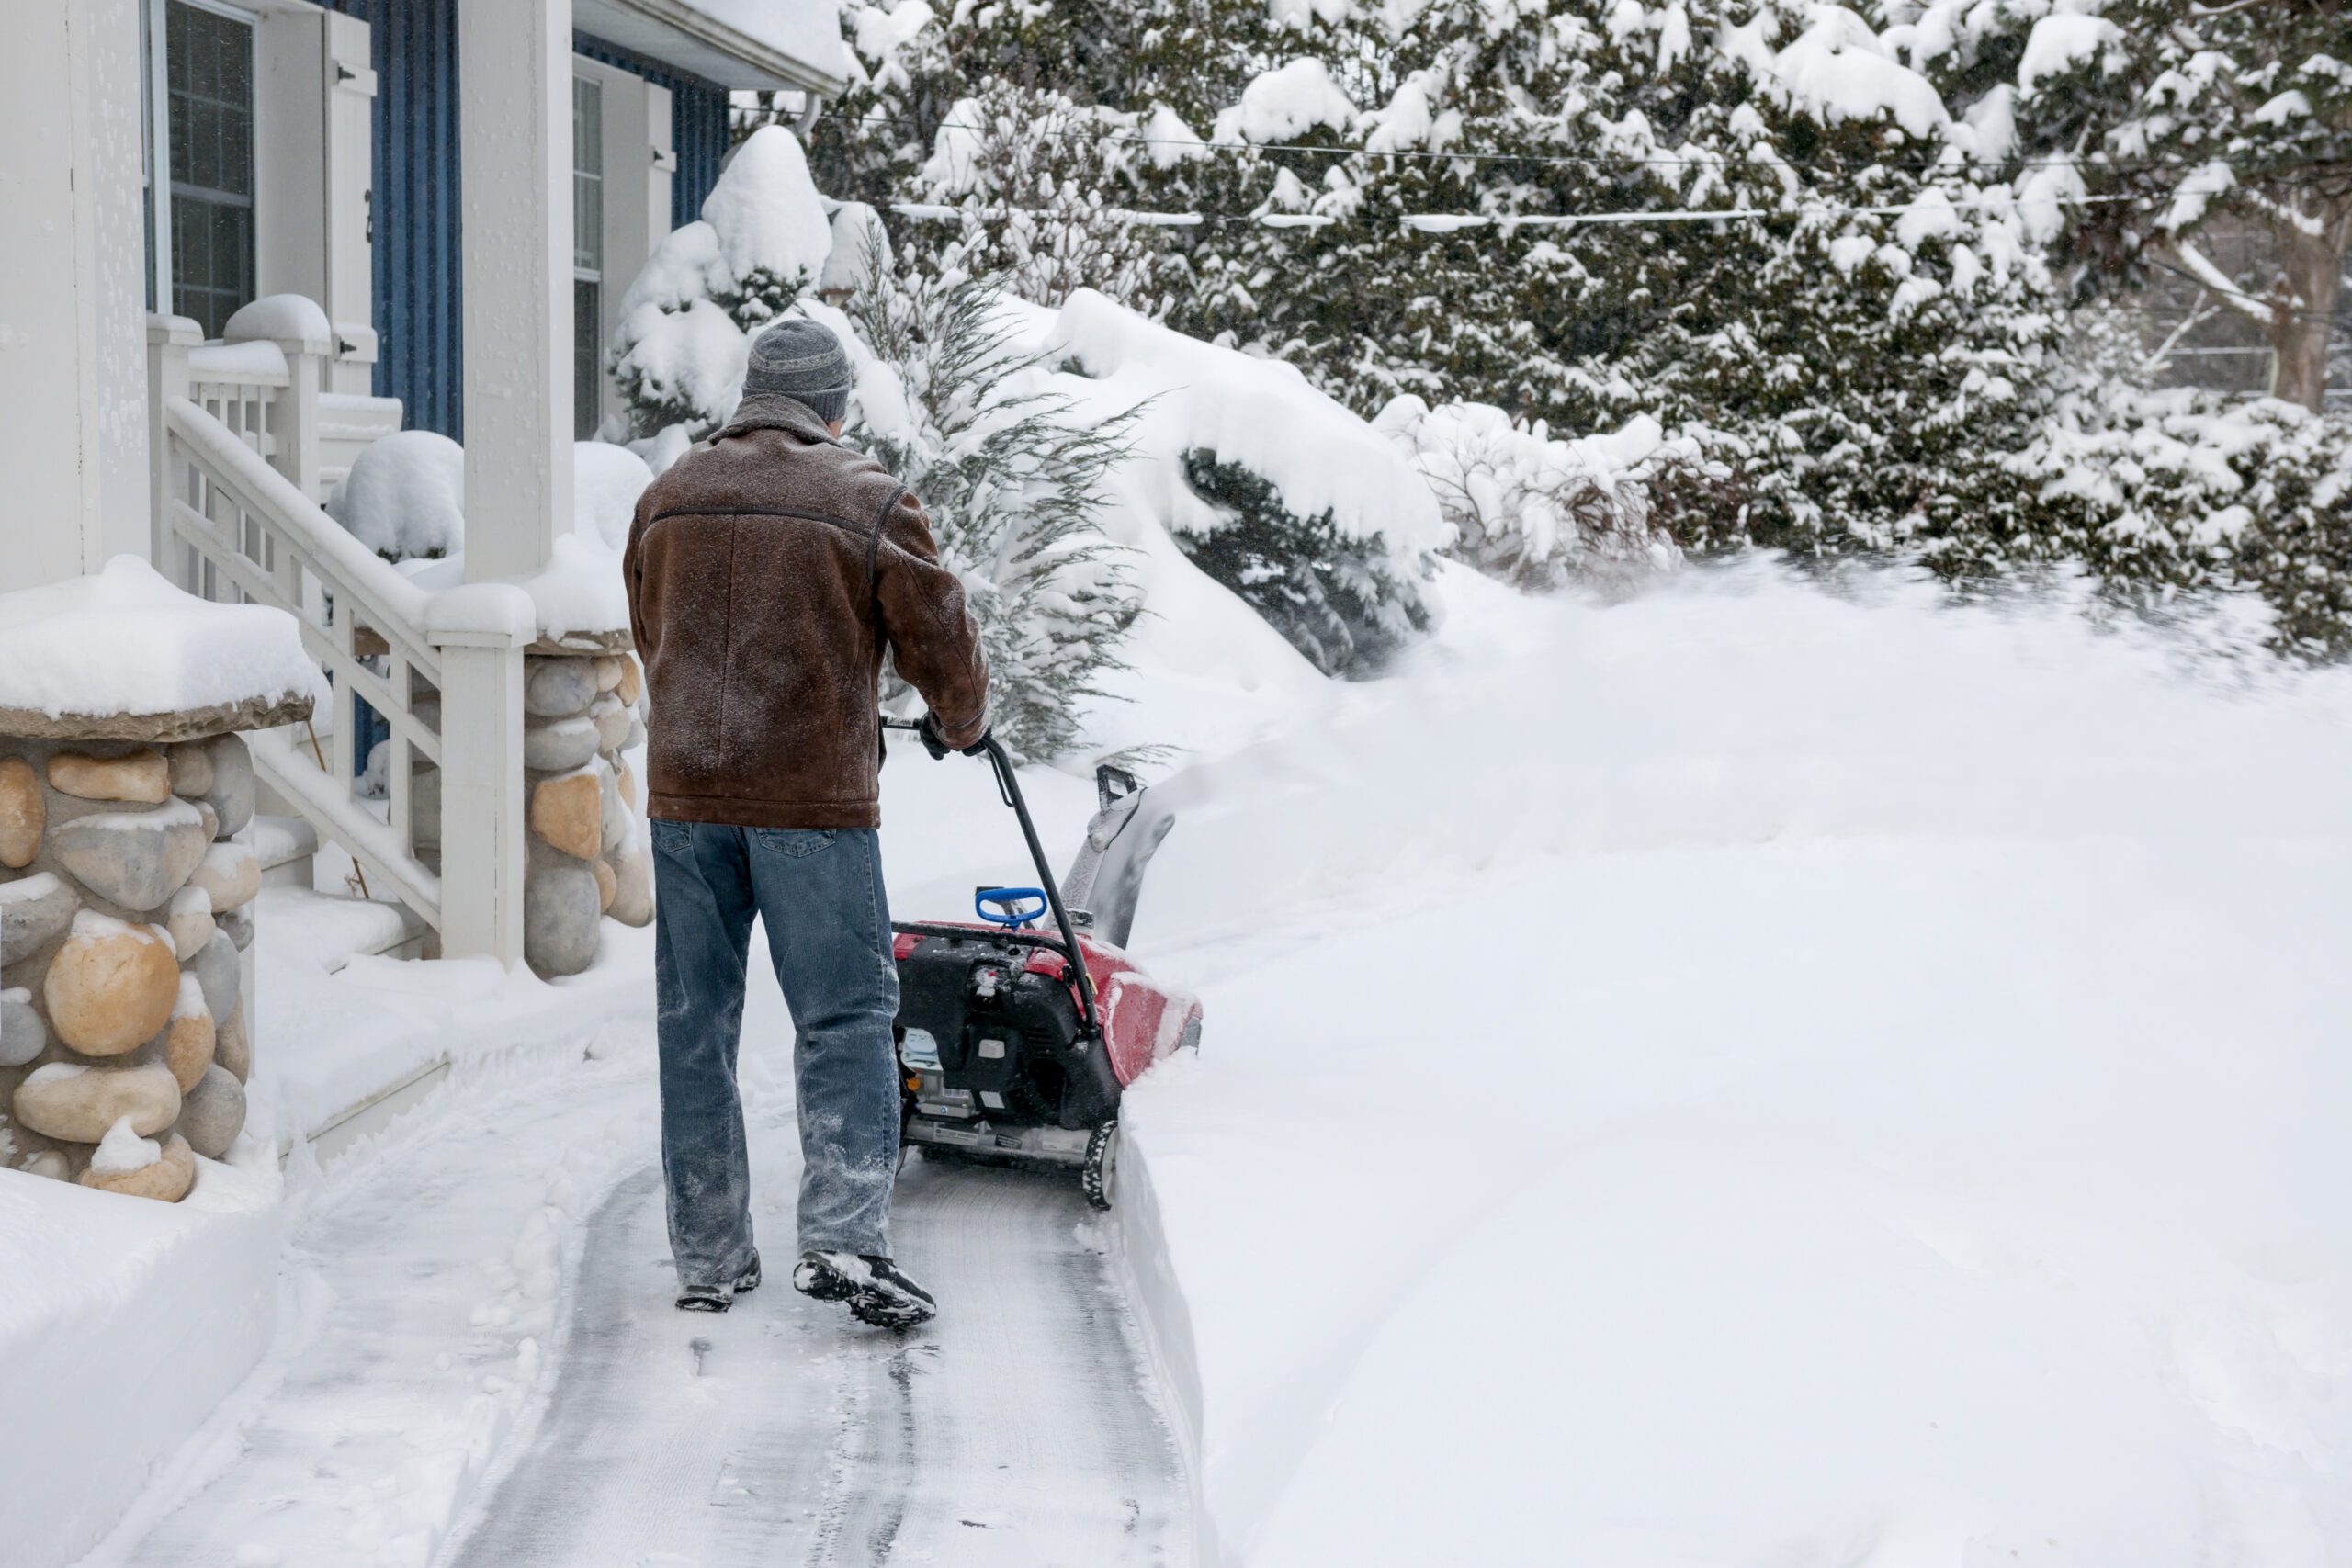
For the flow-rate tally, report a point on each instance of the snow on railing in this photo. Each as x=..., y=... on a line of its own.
x=232, y=525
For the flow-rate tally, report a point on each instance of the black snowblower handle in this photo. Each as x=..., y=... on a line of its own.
x=1009, y=787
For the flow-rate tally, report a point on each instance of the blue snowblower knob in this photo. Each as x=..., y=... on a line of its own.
x=1009, y=907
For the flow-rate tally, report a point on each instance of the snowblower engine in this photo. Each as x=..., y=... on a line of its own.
x=1010, y=1053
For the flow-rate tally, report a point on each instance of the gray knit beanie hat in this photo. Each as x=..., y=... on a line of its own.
x=802, y=360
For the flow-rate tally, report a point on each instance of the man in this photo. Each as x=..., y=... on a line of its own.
x=767, y=571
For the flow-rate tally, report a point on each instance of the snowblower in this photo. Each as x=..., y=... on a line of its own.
x=1017, y=1042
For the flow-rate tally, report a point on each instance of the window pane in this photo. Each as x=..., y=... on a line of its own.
x=587, y=127
x=587, y=223
x=587, y=382
x=208, y=67
x=587, y=175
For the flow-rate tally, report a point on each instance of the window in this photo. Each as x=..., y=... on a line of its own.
x=208, y=68
x=587, y=256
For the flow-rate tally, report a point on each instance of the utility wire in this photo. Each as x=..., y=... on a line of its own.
x=1587, y=159
x=1449, y=222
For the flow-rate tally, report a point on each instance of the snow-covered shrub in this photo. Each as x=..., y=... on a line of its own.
x=2185, y=488
x=687, y=321
x=405, y=496
x=1279, y=493
x=1014, y=483
x=1038, y=179
x=1338, y=598
x=1531, y=510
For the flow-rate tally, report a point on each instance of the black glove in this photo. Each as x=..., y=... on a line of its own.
x=934, y=740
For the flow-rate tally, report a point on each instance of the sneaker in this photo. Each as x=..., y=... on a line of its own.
x=718, y=1298
x=874, y=1288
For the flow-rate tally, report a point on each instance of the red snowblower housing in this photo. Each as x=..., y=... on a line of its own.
x=1011, y=1053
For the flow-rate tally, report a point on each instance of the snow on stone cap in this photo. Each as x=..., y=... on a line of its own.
x=1260, y=413
x=125, y=642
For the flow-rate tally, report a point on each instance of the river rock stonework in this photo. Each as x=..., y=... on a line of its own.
x=126, y=893
x=586, y=857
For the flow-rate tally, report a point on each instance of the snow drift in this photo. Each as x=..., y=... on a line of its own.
x=1760, y=1075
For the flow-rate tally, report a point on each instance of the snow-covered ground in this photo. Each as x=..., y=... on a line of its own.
x=1752, y=1075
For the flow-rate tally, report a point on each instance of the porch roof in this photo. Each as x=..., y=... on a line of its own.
x=732, y=44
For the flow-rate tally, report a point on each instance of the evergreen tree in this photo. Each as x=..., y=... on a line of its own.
x=1037, y=179
x=2157, y=118
x=1013, y=485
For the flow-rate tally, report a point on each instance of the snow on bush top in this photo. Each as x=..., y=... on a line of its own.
x=1532, y=509
x=1260, y=413
x=763, y=239
x=766, y=214
x=1840, y=70
x=405, y=496
x=1284, y=104
x=125, y=641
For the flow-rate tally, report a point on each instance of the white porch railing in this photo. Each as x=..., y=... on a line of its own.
x=235, y=444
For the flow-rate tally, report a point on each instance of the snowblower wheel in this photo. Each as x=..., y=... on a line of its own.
x=1099, y=1176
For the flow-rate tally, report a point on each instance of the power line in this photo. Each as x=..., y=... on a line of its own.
x=1449, y=222
x=1577, y=159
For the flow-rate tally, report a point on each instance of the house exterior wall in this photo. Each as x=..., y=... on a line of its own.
x=419, y=303
x=418, y=293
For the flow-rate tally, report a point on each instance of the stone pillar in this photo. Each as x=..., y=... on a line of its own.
x=515, y=102
x=586, y=711
x=126, y=925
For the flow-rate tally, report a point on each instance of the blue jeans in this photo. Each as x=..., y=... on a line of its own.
x=819, y=892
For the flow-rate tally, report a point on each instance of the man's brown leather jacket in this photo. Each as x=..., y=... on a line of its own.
x=767, y=571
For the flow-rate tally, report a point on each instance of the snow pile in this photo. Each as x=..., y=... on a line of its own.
x=405, y=496
x=125, y=641
x=280, y=318
x=1532, y=510
x=2060, y=43
x=123, y=1324
x=767, y=218
x=1841, y=1079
